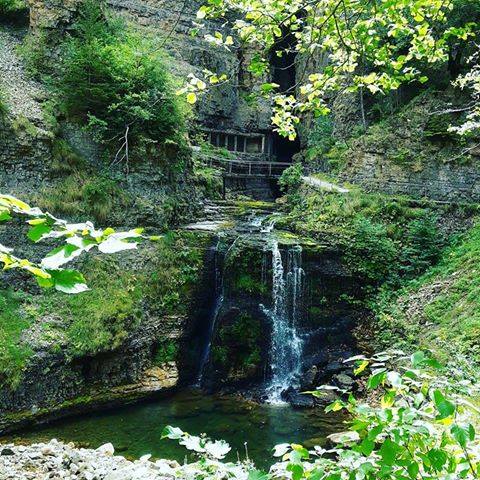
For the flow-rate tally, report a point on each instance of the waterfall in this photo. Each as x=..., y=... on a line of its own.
x=287, y=346
x=219, y=296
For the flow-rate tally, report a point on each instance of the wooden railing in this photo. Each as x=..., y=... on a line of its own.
x=253, y=168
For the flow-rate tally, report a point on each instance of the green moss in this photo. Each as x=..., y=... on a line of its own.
x=22, y=124
x=244, y=206
x=175, y=269
x=166, y=352
x=244, y=266
x=14, y=320
x=209, y=180
x=236, y=346
x=249, y=284
x=97, y=320
x=122, y=296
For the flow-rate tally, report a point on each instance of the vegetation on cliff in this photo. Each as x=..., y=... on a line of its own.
x=116, y=82
x=383, y=238
x=13, y=9
x=441, y=308
x=159, y=281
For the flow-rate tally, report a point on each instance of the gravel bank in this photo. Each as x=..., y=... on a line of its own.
x=59, y=461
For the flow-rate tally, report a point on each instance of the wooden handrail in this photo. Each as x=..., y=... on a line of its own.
x=246, y=162
x=249, y=168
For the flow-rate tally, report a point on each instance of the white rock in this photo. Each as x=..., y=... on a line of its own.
x=47, y=450
x=106, y=449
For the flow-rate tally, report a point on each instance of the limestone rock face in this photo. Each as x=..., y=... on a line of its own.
x=223, y=107
x=52, y=14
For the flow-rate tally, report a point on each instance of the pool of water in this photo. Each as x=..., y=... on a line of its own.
x=136, y=430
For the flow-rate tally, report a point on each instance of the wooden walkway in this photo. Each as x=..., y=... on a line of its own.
x=247, y=168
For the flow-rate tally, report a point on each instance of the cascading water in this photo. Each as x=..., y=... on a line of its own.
x=219, y=297
x=287, y=345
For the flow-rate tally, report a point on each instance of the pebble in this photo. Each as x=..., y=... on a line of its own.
x=58, y=461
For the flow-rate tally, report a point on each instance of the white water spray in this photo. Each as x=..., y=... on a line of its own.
x=287, y=346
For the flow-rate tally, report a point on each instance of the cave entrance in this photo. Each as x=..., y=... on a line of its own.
x=284, y=73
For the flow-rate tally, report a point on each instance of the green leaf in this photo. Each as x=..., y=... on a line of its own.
x=417, y=358
x=296, y=469
x=375, y=380
x=460, y=434
x=438, y=458
x=361, y=367
x=413, y=470
x=471, y=432
x=444, y=407
x=173, y=433
x=336, y=406
x=388, y=451
x=192, y=98
x=37, y=232
x=5, y=215
x=60, y=255
x=367, y=446
x=68, y=281
x=257, y=475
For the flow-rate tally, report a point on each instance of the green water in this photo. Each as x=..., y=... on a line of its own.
x=136, y=430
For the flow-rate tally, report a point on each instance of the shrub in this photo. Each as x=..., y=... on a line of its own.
x=14, y=9
x=371, y=252
x=422, y=245
x=34, y=51
x=115, y=81
x=320, y=138
x=291, y=181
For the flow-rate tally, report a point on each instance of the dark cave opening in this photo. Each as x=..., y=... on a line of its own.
x=284, y=73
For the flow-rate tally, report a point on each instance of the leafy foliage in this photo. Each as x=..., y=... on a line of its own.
x=157, y=281
x=116, y=81
x=421, y=429
x=291, y=180
x=236, y=346
x=440, y=308
x=371, y=46
x=13, y=9
x=79, y=238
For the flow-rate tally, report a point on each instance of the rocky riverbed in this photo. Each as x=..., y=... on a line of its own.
x=60, y=461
